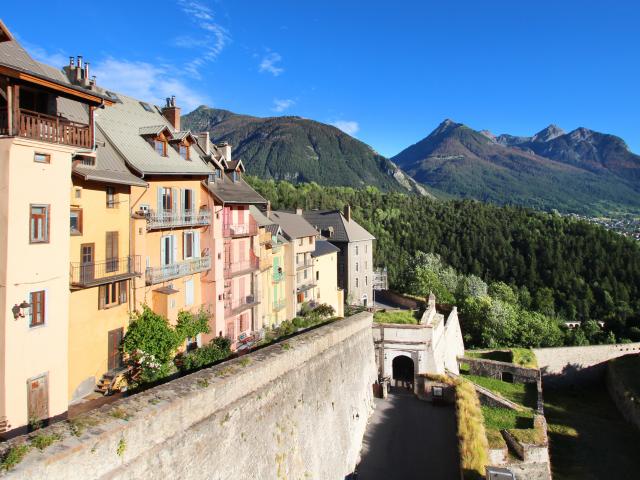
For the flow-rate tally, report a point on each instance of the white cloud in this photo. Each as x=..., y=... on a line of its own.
x=349, y=127
x=211, y=45
x=56, y=59
x=146, y=82
x=280, y=105
x=268, y=64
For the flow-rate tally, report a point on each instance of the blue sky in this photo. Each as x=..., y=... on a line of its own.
x=387, y=72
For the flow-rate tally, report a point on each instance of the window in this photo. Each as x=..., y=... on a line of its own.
x=357, y=267
x=167, y=254
x=167, y=200
x=87, y=161
x=39, y=224
x=366, y=248
x=42, y=158
x=244, y=324
x=111, y=197
x=112, y=294
x=310, y=240
x=146, y=106
x=78, y=193
x=75, y=219
x=111, y=253
x=188, y=245
x=185, y=152
x=317, y=276
x=366, y=281
x=300, y=241
x=160, y=147
x=37, y=300
x=356, y=283
x=188, y=293
x=306, y=273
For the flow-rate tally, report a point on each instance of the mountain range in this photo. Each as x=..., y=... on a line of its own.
x=300, y=150
x=582, y=171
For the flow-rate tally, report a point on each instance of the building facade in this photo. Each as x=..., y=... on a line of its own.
x=355, y=258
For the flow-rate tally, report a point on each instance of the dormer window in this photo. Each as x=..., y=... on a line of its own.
x=160, y=147
x=234, y=176
x=185, y=152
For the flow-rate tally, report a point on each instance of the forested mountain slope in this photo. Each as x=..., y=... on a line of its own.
x=567, y=267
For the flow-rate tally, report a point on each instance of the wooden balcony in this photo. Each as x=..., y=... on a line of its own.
x=163, y=273
x=45, y=128
x=85, y=275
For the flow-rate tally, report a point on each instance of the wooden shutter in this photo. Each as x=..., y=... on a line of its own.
x=196, y=244
x=160, y=209
x=175, y=248
x=163, y=250
x=102, y=293
x=175, y=192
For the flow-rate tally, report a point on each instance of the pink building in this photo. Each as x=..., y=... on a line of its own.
x=231, y=288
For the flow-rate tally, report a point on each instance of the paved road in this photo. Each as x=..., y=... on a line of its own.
x=409, y=439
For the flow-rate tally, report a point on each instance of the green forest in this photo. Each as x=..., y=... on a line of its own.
x=559, y=267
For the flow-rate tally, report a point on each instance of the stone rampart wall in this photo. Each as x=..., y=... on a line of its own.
x=565, y=366
x=297, y=409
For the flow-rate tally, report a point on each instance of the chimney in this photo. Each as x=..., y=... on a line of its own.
x=225, y=149
x=347, y=212
x=204, y=142
x=298, y=211
x=172, y=113
x=268, y=208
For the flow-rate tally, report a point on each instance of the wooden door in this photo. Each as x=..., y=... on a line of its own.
x=114, y=353
x=87, y=262
x=38, y=398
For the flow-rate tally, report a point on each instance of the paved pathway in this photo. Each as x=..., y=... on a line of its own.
x=409, y=439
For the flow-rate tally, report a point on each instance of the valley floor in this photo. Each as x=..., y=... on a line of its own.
x=588, y=438
x=409, y=439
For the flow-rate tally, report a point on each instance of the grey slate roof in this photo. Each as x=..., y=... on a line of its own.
x=110, y=166
x=14, y=56
x=121, y=124
x=238, y=192
x=323, y=247
x=261, y=219
x=293, y=226
x=343, y=231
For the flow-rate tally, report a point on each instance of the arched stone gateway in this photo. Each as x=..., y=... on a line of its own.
x=403, y=371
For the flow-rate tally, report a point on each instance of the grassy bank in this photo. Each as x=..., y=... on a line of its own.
x=588, y=438
x=523, y=394
x=472, y=439
x=407, y=317
x=523, y=357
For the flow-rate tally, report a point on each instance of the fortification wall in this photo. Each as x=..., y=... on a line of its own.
x=297, y=409
x=563, y=366
x=627, y=403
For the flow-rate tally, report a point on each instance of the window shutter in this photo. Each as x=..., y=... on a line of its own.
x=193, y=201
x=184, y=244
x=163, y=252
x=160, y=189
x=182, y=197
x=102, y=291
x=175, y=248
x=174, y=197
x=196, y=244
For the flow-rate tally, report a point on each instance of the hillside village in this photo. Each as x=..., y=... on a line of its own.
x=183, y=316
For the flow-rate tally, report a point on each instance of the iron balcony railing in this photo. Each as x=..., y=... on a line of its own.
x=231, y=269
x=306, y=263
x=99, y=273
x=305, y=286
x=279, y=305
x=233, y=307
x=239, y=230
x=182, y=218
x=46, y=128
x=155, y=275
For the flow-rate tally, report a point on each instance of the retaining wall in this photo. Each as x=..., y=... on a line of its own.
x=628, y=405
x=292, y=410
x=565, y=366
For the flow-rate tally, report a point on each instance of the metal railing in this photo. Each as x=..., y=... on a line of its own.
x=178, y=269
x=239, y=229
x=305, y=286
x=306, y=263
x=47, y=128
x=279, y=305
x=238, y=305
x=98, y=273
x=182, y=218
x=236, y=268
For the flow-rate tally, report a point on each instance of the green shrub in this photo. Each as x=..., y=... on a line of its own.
x=42, y=441
x=396, y=316
x=217, y=349
x=286, y=328
x=189, y=325
x=14, y=456
x=324, y=311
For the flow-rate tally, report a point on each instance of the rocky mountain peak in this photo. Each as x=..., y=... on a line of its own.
x=547, y=134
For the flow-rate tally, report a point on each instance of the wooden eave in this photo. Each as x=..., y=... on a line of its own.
x=5, y=34
x=64, y=90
